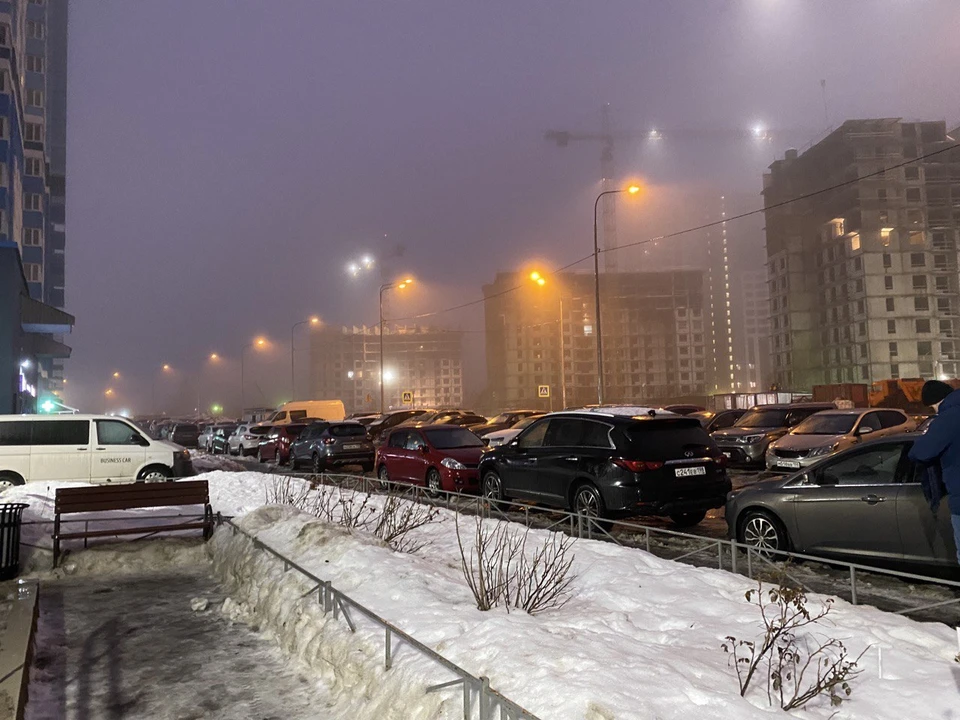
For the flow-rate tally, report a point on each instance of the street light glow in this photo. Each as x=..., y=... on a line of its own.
x=108, y=392
x=314, y=320
x=165, y=368
x=260, y=342
x=367, y=261
x=538, y=278
x=633, y=189
x=214, y=357
x=116, y=374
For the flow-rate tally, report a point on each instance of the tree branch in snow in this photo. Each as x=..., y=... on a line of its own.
x=398, y=518
x=798, y=667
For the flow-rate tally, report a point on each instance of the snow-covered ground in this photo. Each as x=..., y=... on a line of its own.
x=640, y=637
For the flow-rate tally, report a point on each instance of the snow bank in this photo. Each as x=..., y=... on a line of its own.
x=640, y=638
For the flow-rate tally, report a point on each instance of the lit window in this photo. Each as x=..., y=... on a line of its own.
x=855, y=241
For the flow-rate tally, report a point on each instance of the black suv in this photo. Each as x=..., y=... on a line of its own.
x=605, y=465
x=324, y=444
x=185, y=434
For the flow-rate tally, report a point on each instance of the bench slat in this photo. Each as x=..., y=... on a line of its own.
x=199, y=525
x=127, y=497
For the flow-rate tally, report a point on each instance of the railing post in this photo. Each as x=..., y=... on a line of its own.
x=733, y=555
x=719, y=555
x=484, y=698
x=853, y=585
x=749, y=562
x=646, y=537
x=466, y=700
x=388, y=651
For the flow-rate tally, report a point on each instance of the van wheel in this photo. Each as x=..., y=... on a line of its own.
x=154, y=473
x=9, y=479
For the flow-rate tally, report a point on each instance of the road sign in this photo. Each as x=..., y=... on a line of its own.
x=543, y=391
x=406, y=397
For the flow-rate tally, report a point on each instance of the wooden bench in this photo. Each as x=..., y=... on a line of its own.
x=130, y=497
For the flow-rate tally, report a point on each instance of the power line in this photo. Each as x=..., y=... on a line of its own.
x=698, y=228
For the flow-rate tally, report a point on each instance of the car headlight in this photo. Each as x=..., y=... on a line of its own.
x=453, y=464
x=185, y=454
x=750, y=439
x=825, y=450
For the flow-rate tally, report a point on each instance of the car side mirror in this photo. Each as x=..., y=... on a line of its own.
x=864, y=431
x=423, y=449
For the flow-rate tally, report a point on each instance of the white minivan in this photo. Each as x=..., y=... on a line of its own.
x=87, y=448
x=300, y=410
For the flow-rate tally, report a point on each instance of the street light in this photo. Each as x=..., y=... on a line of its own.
x=213, y=358
x=406, y=282
x=541, y=281
x=153, y=385
x=116, y=374
x=633, y=190
x=257, y=343
x=313, y=322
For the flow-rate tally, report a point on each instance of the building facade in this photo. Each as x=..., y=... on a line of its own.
x=751, y=331
x=425, y=362
x=655, y=338
x=33, y=75
x=863, y=279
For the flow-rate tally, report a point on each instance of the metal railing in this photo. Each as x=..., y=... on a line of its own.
x=480, y=701
x=731, y=555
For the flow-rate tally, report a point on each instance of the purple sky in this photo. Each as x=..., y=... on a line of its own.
x=226, y=159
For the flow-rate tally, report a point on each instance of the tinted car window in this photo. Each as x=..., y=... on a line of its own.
x=870, y=420
x=889, y=419
x=259, y=430
x=447, y=439
x=725, y=420
x=762, y=418
x=398, y=439
x=293, y=431
x=15, y=433
x=298, y=414
x=564, y=432
x=533, y=436
x=114, y=432
x=663, y=441
x=795, y=416
x=348, y=431
x=876, y=465
x=61, y=432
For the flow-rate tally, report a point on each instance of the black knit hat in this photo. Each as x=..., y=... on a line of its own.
x=934, y=391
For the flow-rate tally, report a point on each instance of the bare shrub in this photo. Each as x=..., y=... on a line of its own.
x=392, y=523
x=398, y=518
x=798, y=668
x=499, y=570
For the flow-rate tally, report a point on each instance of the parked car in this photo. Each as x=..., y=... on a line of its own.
x=185, y=434
x=438, y=417
x=440, y=457
x=205, y=440
x=684, y=409
x=830, y=431
x=275, y=445
x=468, y=421
x=378, y=428
x=499, y=437
x=863, y=503
x=246, y=438
x=746, y=442
x=604, y=465
x=504, y=421
x=719, y=420
x=219, y=440
x=324, y=445
x=365, y=420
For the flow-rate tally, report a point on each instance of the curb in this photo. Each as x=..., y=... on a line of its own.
x=16, y=648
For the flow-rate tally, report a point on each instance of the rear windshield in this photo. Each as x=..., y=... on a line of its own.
x=294, y=430
x=348, y=431
x=668, y=441
x=261, y=430
x=448, y=439
x=186, y=428
x=763, y=418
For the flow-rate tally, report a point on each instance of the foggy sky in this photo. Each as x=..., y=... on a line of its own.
x=226, y=159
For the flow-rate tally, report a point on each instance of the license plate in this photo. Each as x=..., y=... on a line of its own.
x=794, y=464
x=688, y=471
x=353, y=446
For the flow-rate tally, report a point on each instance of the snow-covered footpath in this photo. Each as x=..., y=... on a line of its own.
x=640, y=637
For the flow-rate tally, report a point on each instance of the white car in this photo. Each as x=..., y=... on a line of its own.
x=86, y=448
x=502, y=437
x=246, y=438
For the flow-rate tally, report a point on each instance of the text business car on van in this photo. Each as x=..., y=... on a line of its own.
x=87, y=448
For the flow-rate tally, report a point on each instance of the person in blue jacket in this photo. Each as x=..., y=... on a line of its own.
x=940, y=444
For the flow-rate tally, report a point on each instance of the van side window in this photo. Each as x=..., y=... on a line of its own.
x=61, y=432
x=15, y=433
x=114, y=432
x=298, y=414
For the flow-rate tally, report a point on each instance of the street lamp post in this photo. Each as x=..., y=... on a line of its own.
x=633, y=189
x=384, y=288
x=293, y=378
x=259, y=342
x=540, y=280
x=153, y=386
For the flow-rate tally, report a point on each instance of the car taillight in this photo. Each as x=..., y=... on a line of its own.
x=328, y=441
x=638, y=465
x=721, y=460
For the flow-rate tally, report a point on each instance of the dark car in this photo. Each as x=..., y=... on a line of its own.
x=746, y=442
x=185, y=434
x=717, y=420
x=379, y=427
x=218, y=442
x=441, y=457
x=684, y=409
x=862, y=503
x=604, y=465
x=504, y=421
x=474, y=422
x=327, y=444
x=275, y=446
x=439, y=417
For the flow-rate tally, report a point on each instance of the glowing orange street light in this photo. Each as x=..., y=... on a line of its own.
x=116, y=374
x=406, y=282
x=108, y=392
x=165, y=368
x=214, y=357
x=537, y=277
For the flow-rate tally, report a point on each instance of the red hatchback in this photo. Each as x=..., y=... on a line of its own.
x=275, y=445
x=441, y=457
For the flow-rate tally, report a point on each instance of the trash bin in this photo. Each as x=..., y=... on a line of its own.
x=10, y=516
